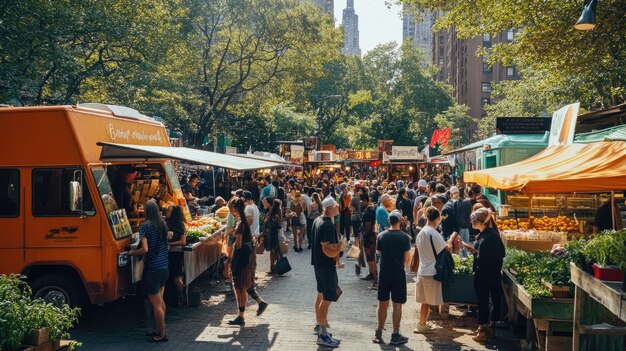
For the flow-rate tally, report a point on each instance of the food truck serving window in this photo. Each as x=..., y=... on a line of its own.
x=118, y=219
x=51, y=189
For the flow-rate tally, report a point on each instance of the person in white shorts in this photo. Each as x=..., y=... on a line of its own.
x=428, y=290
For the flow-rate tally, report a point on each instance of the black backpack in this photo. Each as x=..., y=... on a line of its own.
x=444, y=265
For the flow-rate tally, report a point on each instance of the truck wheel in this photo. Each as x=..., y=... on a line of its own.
x=57, y=290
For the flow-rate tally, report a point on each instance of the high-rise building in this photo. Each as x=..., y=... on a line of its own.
x=469, y=75
x=418, y=29
x=327, y=6
x=350, y=25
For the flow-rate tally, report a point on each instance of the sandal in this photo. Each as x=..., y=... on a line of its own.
x=159, y=339
x=153, y=333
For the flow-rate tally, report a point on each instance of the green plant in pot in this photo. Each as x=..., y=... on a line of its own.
x=608, y=252
x=19, y=314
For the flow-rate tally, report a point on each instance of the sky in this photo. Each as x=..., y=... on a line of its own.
x=377, y=23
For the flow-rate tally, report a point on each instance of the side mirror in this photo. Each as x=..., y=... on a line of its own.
x=76, y=196
x=76, y=192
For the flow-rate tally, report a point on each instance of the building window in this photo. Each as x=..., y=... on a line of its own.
x=486, y=67
x=510, y=35
x=510, y=71
x=441, y=51
x=9, y=193
x=441, y=62
x=51, y=190
x=485, y=101
x=486, y=87
x=486, y=38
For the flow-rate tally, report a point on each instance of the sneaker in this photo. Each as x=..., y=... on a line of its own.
x=398, y=339
x=378, y=337
x=423, y=329
x=237, y=321
x=262, y=308
x=374, y=287
x=327, y=341
x=357, y=269
x=317, y=330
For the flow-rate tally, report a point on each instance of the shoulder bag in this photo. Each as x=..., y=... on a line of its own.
x=444, y=265
x=415, y=260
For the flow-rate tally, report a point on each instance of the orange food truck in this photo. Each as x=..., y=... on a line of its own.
x=73, y=181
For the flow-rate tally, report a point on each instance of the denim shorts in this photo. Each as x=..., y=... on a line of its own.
x=154, y=281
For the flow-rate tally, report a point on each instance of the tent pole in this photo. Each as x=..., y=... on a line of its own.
x=213, y=170
x=613, y=209
x=530, y=205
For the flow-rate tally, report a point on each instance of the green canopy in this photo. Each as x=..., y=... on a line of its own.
x=610, y=134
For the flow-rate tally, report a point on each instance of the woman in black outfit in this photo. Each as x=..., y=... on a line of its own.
x=488, y=253
x=176, y=224
x=271, y=228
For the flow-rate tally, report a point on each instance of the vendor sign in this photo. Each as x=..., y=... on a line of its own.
x=563, y=125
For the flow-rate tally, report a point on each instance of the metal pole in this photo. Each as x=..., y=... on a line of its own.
x=530, y=205
x=213, y=169
x=613, y=208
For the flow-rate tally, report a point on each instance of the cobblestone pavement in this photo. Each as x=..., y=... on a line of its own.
x=286, y=325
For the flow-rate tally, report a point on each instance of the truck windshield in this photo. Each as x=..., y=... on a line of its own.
x=118, y=220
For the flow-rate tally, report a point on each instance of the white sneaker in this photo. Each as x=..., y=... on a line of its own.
x=423, y=329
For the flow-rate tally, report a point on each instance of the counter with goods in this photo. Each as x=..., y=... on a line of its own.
x=541, y=287
x=461, y=290
x=539, y=233
x=204, y=246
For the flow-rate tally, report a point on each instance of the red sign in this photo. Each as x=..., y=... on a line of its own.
x=440, y=136
x=375, y=163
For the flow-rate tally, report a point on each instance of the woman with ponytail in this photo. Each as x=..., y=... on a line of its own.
x=243, y=266
x=488, y=252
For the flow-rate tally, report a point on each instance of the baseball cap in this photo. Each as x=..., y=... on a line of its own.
x=422, y=183
x=454, y=190
x=395, y=214
x=328, y=202
x=247, y=195
x=343, y=186
x=439, y=197
x=400, y=183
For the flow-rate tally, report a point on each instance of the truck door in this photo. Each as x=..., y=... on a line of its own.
x=63, y=234
x=11, y=221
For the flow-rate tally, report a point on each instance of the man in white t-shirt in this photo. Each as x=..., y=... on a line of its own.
x=428, y=290
x=252, y=213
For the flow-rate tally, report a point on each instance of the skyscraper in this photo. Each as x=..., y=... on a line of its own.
x=470, y=76
x=418, y=29
x=327, y=6
x=350, y=25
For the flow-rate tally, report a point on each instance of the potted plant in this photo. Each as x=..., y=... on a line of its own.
x=608, y=252
x=20, y=314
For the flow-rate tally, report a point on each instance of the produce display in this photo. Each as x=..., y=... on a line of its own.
x=532, y=269
x=545, y=223
x=463, y=265
x=202, y=227
x=222, y=212
x=537, y=270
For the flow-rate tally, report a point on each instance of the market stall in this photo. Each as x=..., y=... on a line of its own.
x=205, y=233
x=573, y=171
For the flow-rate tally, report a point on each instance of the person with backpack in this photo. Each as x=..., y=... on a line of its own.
x=429, y=243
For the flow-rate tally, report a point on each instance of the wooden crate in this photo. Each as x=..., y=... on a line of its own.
x=530, y=245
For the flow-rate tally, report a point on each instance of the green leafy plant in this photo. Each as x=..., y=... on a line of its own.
x=194, y=235
x=463, y=265
x=607, y=248
x=19, y=313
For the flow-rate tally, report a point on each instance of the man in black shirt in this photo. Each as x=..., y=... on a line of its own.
x=405, y=205
x=393, y=245
x=449, y=224
x=324, y=254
